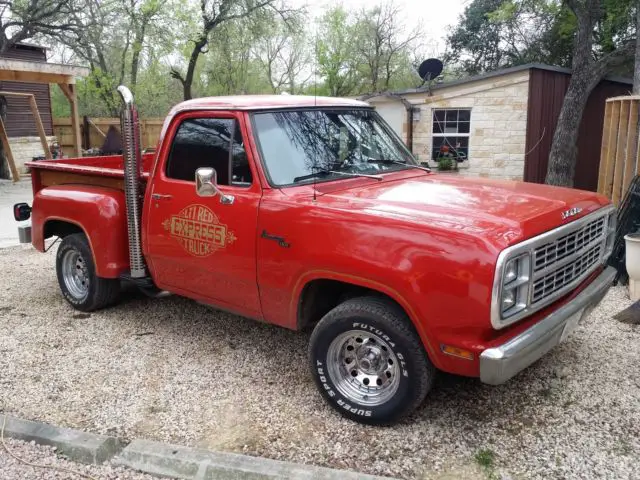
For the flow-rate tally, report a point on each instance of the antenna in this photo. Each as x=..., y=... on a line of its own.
x=315, y=104
x=429, y=70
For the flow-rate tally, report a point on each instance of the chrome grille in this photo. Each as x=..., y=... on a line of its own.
x=553, y=263
x=556, y=280
x=563, y=247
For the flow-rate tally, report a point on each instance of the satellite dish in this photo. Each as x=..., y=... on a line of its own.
x=430, y=69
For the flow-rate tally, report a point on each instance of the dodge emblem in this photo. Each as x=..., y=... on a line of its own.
x=571, y=212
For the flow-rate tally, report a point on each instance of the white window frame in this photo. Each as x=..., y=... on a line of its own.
x=440, y=135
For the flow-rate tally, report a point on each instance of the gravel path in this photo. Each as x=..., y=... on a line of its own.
x=173, y=370
x=10, y=194
x=12, y=469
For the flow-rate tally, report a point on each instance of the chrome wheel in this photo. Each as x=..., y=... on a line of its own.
x=75, y=274
x=363, y=367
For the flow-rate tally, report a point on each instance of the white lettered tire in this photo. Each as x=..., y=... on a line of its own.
x=368, y=362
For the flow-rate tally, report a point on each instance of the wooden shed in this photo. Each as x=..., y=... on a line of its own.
x=25, y=76
x=547, y=89
x=19, y=123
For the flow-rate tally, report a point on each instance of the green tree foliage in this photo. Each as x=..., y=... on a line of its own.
x=366, y=52
x=22, y=20
x=158, y=47
x=337, y=63
x=383, y=48
x=494, y=34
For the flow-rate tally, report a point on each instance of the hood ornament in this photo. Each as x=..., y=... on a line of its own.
x=571, y=212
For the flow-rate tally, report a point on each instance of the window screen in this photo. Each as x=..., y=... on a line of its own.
x=451, y=129
x=209, y=142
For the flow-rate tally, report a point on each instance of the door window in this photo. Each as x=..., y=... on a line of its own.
x=209, y=142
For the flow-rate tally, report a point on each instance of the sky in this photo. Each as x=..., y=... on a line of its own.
x=435, y=16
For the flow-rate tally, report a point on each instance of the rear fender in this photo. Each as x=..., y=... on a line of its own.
x=98, y=211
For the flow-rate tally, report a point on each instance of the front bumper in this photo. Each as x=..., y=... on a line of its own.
x=499, y=364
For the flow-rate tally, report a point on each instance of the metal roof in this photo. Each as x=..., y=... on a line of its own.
x=40, y=72
x=499, y=73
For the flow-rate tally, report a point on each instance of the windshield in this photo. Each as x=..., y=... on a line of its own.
x=313, y=145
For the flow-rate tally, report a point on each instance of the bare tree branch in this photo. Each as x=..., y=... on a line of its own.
x=24, y=20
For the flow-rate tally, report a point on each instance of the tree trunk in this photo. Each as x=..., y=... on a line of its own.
x=193, y=60
x=4, y=163
x=564, y=151
x=137, y=48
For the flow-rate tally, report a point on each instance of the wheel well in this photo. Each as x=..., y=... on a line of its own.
x=320, y=296
x=60, y=228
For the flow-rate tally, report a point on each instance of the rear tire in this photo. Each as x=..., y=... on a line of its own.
x=368, y=362
x=76, y=272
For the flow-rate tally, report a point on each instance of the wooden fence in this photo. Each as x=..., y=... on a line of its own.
x=620, y=147
x=94, y=131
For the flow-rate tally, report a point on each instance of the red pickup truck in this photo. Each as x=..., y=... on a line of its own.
x=310, y=213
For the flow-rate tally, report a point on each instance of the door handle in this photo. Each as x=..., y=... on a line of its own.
x=281, y=241
x=161, y=196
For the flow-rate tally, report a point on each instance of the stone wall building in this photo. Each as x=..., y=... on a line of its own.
x=497, y=125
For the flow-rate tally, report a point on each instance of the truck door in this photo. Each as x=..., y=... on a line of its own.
x=205, y=247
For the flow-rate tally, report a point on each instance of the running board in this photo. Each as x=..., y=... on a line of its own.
x=145, y=285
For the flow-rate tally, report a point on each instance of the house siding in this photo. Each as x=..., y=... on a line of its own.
x=498, y=129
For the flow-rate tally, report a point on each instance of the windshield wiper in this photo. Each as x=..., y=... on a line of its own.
x=387, y=161
x=324, y=173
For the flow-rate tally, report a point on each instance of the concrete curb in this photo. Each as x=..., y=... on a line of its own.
x=165, y=460
x=76, y=445
x=195, y=464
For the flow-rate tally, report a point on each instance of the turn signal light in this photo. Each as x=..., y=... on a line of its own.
x=457, y=352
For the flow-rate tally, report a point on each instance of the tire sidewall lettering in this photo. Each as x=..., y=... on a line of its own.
x=350, y=406
x=323, y=380
x=394, y=346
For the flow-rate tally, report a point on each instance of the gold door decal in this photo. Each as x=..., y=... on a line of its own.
x=199, y=230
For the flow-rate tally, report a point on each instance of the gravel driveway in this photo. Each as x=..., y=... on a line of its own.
x=11, y=469
x=173, y=370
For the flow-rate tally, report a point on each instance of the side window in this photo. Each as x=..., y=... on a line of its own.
x=241, y=172
x=209, y=142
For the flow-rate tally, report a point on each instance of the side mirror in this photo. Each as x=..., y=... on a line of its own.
x=207, y=185
x=206, y=182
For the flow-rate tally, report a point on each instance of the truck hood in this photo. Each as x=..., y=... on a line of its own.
x=503, y=212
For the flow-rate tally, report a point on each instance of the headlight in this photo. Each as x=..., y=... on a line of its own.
x=511, y=271
x=508, y=299
x=515, y=286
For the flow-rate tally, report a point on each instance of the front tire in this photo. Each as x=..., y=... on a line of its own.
x=76, y=272
x=368, y=362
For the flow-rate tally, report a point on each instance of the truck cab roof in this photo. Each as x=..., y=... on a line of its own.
x=265, y=102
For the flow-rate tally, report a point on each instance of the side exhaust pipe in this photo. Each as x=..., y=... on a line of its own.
x=130, y=128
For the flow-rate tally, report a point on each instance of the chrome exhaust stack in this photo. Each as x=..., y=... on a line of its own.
x=130, y=128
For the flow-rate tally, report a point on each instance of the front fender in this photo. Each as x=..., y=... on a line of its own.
x=100, y=213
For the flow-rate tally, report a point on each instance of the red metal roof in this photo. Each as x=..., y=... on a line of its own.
x=262, y=102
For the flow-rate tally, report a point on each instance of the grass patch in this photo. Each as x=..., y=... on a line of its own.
x=485, y=458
